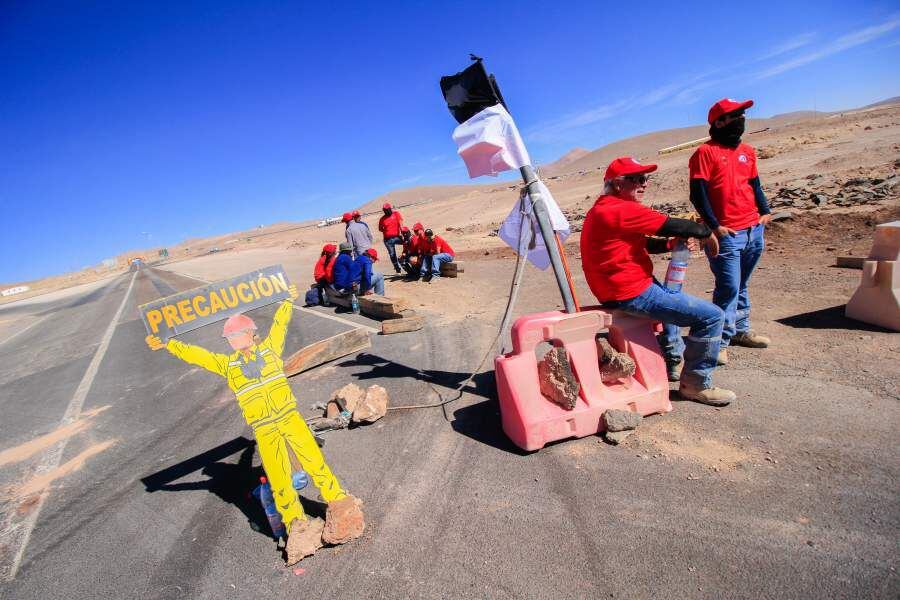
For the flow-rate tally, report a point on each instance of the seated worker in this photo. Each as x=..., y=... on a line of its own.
x=389, y=225
x=369, y=280
x=346, y=271
x=437, y=252
x=618, y=269
x=324, y=271
x=409, y=260
x=255, y=374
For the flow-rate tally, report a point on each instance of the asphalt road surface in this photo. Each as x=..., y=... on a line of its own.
x=778, y=496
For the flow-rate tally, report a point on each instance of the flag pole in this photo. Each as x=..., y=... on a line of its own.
x=540, y=211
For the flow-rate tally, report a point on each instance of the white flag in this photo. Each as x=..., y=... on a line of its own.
x=531, y=245
x=489, y=143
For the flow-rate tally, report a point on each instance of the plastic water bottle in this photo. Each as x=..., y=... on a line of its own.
x=354, y=304
x=264, y=492
x=678, y=266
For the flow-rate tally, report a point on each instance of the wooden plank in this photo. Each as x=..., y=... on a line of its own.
x=382, y=306
x=342, y=344
x=850, y=262
x=410, y=321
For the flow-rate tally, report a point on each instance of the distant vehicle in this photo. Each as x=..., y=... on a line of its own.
x=328, y=221
x=15, y=290
x=213, y=250
x=135, y=263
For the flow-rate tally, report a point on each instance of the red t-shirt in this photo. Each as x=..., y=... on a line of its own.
x=390, y=225
x=324, y=271
x=727, y=172
x=437, y=245
x=614, y=253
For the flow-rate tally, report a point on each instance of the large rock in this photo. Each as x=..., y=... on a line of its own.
x=614, y=365
x=373, y=406
x=557, y=380
x=348, y=396
x=621, y=420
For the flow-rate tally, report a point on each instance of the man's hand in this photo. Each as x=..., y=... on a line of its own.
x=292, y=290
x=764, y=219
x=721, y=231
x=712, y=245
x=693, y=244
x=154, y=342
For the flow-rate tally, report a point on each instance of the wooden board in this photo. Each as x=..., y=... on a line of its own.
x=850, y=262
x=382, y=306
x=337, y=346
x=410, y=321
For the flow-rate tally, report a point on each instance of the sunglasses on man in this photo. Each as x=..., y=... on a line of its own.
x=637, y=179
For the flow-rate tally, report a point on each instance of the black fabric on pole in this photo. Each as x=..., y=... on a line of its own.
x=470, y=91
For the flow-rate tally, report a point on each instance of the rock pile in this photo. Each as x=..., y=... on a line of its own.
x=852, y=192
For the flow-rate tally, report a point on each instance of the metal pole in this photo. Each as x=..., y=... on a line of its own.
x=540, y=211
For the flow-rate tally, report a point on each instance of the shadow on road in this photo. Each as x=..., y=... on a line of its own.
x=481, y=422
x=232, y=482
x=828, y=318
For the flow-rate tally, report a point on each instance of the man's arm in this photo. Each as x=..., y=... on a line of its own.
x=683, y=228
x=700, y=200
x=656, y=245
x=278, y=332
x=762, y=203
x=195, y=355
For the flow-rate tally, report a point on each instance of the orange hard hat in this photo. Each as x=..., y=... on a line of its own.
x=237, y=324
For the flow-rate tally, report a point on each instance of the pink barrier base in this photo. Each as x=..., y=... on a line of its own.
x=531, y=420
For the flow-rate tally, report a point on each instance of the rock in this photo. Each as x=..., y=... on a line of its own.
x=617, y=437
x=348, y=396
x=613, y=364
x=373, y=406
x=782, y=215
x=620, y=420
x=557, y=380
x=818, y=199
x=344, y=521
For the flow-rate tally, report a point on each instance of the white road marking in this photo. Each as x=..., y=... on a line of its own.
x=24, y=329
x=302, y=309
x=20, y=534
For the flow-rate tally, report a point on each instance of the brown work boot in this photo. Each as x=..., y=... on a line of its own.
x=712, y=396
x=343, y=521
x=722, y=359
x=304, y=538
x=749, y=339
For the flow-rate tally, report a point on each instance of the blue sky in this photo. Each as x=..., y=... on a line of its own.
x=135, y=124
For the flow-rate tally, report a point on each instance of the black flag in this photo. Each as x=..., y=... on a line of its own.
x=470, y=91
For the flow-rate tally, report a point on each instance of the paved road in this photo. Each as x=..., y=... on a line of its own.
x=774, y=497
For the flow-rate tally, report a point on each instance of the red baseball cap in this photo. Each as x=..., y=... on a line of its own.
x=417, y=227
x=373, y=253
x=356, y=213
x=404, y=229
x=725, y=106
x=329, y=248
x=347, y=217
x=386, y=205
x=625, y=165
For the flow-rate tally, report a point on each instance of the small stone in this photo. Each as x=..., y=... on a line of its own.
x=617, y=437
x=620, y=420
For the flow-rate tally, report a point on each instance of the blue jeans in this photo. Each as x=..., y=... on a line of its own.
x=389, y=243
x=701, y=346
x=376, y=284
x=436, y=261
x=738, y=256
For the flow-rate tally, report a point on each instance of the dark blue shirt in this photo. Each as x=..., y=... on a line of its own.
x=346, y=272
x=364, y=265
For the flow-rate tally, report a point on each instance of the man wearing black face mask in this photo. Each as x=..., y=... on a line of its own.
x=726, y=191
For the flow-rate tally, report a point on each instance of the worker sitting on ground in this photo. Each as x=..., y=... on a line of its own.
x=370, y=280
x=436, y=252
x=389, y=225
x=346, y=271
x=324, y=272
x=618, y=269
x=417, y=245
x=409, y=260
x=254, y=372
x=358, y=234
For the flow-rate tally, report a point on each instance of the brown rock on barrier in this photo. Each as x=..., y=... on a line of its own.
x=349, y=396
x=557, y=380
x=613, y=364
x=373, y=406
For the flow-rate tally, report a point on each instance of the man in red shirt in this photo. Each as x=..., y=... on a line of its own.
x=726, y=192
x=323, y=272
x=615, y=252
x=436, y=252
x=389, y=225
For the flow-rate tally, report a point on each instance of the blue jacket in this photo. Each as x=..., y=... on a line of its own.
x=363, y=264
x=346, y=272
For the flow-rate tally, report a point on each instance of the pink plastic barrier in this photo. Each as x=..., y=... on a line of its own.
x=531, y=420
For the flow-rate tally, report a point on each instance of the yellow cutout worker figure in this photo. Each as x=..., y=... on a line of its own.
x=255, y=373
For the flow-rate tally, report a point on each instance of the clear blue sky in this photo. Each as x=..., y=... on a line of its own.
x=134, y=124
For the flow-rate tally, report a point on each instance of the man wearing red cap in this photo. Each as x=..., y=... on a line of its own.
x=370, y=280
x=255, y=373
x=436, y=252
x=413, y=250
x=358, y=234
x=389, y=225
x=615, y=252
x=323, y=272
x=726, y=192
